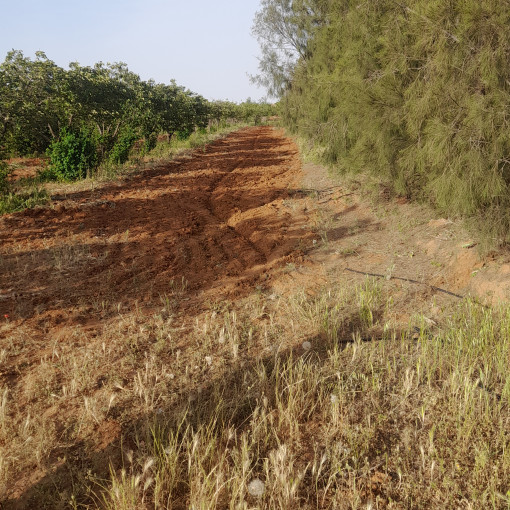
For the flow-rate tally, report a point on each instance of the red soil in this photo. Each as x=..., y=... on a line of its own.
x=213, y=221
x=26, y=167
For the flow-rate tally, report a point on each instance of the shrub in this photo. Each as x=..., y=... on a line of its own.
x=47, y=174
x=73, y=155
x=184, y=134
x=4, y=178
x=151, y=141
x=120, y=151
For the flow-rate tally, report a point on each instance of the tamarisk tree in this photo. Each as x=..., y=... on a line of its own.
x=416, y=91
x=283, y=29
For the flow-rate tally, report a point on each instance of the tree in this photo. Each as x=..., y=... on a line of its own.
x=283, y=29
x=418, y=92
x=33, y=101
x=105, y=105
x=101, y=99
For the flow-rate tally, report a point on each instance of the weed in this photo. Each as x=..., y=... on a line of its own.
x=17, y=201
x=369, y=300
x=347, y=252
x=323, y=224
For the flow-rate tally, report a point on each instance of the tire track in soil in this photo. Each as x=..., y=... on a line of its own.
x=217, y=188
x=214, y=219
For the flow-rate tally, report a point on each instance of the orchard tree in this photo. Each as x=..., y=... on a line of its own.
x=222, y=110
x=101, y=96
x=102, y=108
x=34, y=101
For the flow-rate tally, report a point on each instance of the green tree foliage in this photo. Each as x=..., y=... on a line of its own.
x=283, y=29
x=100, y=99
x=248, y=111
x=86, y=115
x=41, y=102
x=252, y=112
x=33, y=102
x=417, y=91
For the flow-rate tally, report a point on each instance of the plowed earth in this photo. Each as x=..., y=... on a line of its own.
x=214, y=221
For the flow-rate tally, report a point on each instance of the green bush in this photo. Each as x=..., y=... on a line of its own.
x=120, y=151
x=184, y=134
x=47, y=174
x=73, y=155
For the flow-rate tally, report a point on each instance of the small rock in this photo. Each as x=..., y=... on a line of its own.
x=306, y=346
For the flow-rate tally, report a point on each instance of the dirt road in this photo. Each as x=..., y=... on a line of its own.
x=215, y=225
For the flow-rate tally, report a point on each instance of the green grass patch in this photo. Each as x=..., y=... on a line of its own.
x=18, y=201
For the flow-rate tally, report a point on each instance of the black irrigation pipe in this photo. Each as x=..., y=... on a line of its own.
x=438, y=289
x=480, y=385
x=319, y=192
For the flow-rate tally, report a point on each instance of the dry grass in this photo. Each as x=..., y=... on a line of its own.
x=272, y=401
x=239, y=412
x=395, y=422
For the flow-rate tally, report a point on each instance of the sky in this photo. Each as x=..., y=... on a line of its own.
x=205, y=45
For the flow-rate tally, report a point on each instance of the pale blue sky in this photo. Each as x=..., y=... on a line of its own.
x=205, y=46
